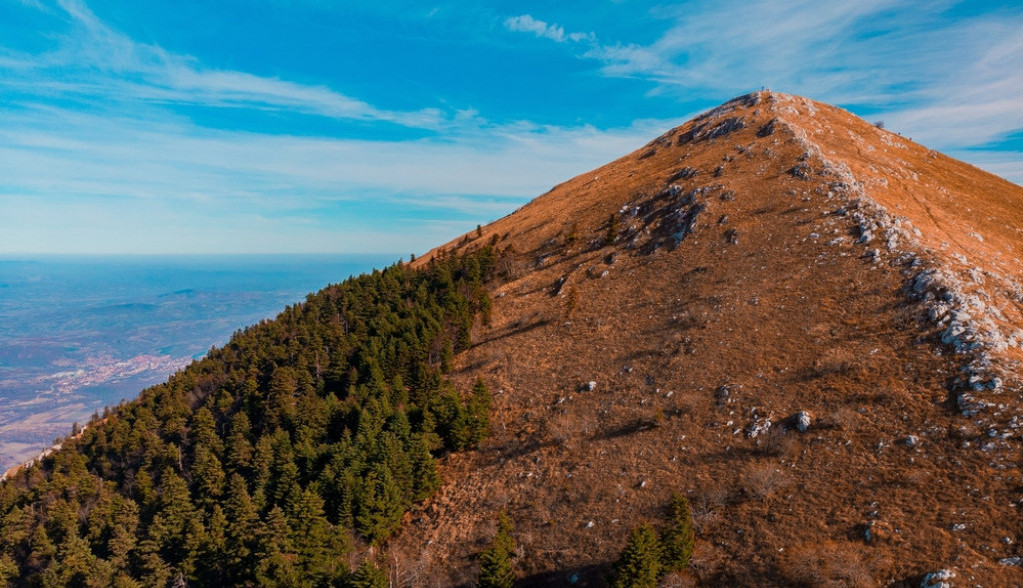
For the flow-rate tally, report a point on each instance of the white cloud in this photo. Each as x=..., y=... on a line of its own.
x=80, y=153
x=96, y=60
x=527, y=24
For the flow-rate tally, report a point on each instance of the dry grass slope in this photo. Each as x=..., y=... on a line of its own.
x=775, y=256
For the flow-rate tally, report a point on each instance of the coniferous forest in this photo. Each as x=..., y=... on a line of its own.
x=265, y=462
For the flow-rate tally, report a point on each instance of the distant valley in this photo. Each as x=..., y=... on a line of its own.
x=81, y=333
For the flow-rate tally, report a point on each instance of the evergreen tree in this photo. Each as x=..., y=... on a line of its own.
x=379, y=505
x=210, y=565
x=425, y=478
x=496, y=562
x=8, y=569
x=447, y=356
x=310, y=535
x=176, y=533
x=242, y=533
x=640, y=563
x=207, y=477
x=368, y=575
x=478, y=413
x=239, y=446
x=73, y=566
x=276, y=564
x=677, y=538
x=453, y=421
x=204, y=431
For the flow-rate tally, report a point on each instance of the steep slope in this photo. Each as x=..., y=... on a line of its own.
x=666, y=319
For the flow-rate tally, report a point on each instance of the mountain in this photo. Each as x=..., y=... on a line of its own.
x=773, y=257
x=808, y=326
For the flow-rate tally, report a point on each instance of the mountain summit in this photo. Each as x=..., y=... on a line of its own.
x=808, y=324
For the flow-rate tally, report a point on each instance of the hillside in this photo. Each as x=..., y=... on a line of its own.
x=771, y=257
x=808, y=325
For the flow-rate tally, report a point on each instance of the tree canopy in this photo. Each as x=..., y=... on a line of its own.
x=261, y=463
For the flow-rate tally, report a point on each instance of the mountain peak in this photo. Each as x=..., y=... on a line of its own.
x=772, y=257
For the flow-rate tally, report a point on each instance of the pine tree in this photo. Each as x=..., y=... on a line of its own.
x=72, y=566
x=276, y=564
x=310, y=534
x=478, y=413
x=239, y=448
x=8, y=569
x=242, y=531
x=368, y=576
x=496, y=562
x=210, y=565
x=379, y=505
x=447, y=356
x=640, y=563
x=425, y=479
x=452, y=421
x=207, y=476
x=204, y=431
x=176, y=533
x=678, y=537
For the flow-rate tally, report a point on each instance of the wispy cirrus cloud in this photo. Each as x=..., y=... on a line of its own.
x=527, y=24
x=228, y=191
x=97, y=60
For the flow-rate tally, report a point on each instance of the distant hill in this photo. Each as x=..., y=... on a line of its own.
x=808, y=325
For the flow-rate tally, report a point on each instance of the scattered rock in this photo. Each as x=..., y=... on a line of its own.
x=729, y=125
x=802, y=421
x=801, y=171
x=879, y=531
x=938, y=579
x=759, y=426
x=767, y=129
x=723, y=394
x=683, y=174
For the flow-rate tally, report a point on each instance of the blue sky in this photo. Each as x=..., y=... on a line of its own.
x=303, y=126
